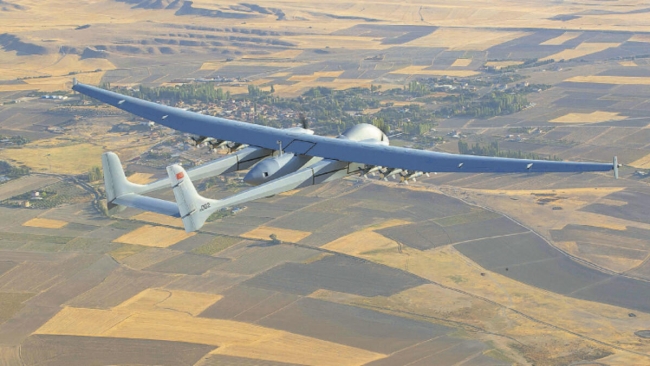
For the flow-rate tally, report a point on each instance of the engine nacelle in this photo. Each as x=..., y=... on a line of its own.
x=276, y=167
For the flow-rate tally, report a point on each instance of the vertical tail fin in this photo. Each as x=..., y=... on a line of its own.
x=193, y=208
x=115, y=181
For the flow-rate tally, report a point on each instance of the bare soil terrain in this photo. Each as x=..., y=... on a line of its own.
x=475, y=269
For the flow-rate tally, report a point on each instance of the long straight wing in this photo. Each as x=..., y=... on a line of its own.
x=326, y=147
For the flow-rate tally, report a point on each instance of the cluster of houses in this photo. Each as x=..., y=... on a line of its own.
x=26, y=203
x=246, y=110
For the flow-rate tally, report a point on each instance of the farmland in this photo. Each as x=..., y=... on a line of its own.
x=472, y=269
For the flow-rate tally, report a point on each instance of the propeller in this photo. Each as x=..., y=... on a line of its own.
x=304, y=122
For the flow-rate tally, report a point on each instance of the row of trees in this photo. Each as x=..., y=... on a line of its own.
x=12, y=171
x=490, y=105
x=16, y=140
x=95, y=174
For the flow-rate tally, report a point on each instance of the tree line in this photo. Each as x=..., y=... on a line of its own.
x=12, y=171
x=490, y=105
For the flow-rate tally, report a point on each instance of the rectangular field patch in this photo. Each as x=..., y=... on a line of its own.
x=45, y=223
x=422, y=70
x=141, y=178
x=156, y=218
x=593, y=117
x=154, y=236
x=614, y=80
x=560, y=40
x=583, y=49
x=264, y=233
x=233, y=338
x=462, y=62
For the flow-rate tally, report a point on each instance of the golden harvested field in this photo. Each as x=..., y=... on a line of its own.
x=593, y=117
x=234, y=90
x=628, y=63
x=462, y=62
x=420, y=70
x=163, y=315
x=583, y=49
x=316, y=75
x=402, y=103
x=640, y=38
x=154, y=236
x=141, y=178
x=261, y=81
x=643, y=163
x=465, y=38
x=214, y=66
x=560, y=40
x=617, y=264
x=615, y=80
x=13, y=66
x=366, y=240
x=448, y=267
x=338, y=84
x=263, y=233
x=177, y=300
x=293, y=348
x=323, y=41
x=83, y=322
x=126, y=251
x=286, y=54
x=156, y=218
x=610, y=202
x=527, y=211
x=66, y=81
x=362, y=242
x=388, y=223
x=45, y=223
x=595, y=192
x=71, y=159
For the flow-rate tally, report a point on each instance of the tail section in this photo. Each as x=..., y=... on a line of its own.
x=194, y=208
x=115, y=181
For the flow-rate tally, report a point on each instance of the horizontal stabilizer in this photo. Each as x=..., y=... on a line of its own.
x=117, y=185
x=148, y=204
